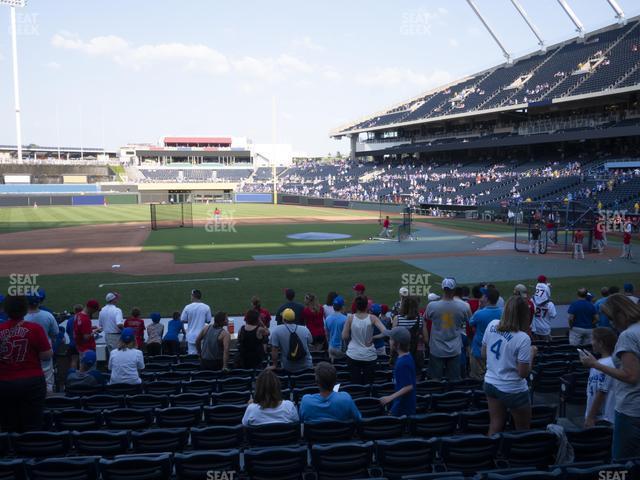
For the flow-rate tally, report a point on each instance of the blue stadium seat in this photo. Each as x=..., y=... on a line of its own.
x=58, y=402
x=469, y=453
x=591, y=444
x=77, y=419
x=128, y=418
x=282, y=463
x=190, y=400
x=234, y=384
x=217, y=437
x=101, y=442
x=273, y=434
x=41, y=444
x=82, y=390
x=173, y=376
x=123, y=389
x=356, y=391
x=231, y=398
x=147, y=401
x=453, y=401
x=342, y=460
x=162, y=388
x=405, y=456
x=432, y=424
x=370, y=407
x=527, y=475
x=102, y=402
x=380, y=428
x=199, y=386
x=543, y=415
x=529, y=448
x=328, y=432
x=428, y=387
x=158, y=440
x=224, y=414
x=136, y=467
x=298, y=393
x=75, y=468
x=195, y=465
x=178, y=417
x=206, y=375
x=382, y=389
x=593, y=472
x=12, y=469
x=475, y=421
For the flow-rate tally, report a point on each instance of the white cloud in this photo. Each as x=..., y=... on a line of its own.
x=105, y=45
x=53, y=65
x=331, y=74
x=308, y=43
x=453, y=43
x=392, y=76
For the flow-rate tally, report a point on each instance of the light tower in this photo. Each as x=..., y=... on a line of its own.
x=16, y=89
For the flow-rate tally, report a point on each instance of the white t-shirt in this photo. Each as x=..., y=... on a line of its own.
x=124, y=366
x=109, y=318
x=286, y=412
x=542, y=318
x=504, y=351
x=195, y=314
x=599, y=382
x=328, y=310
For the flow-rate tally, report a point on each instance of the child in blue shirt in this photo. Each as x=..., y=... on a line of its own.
x=403, y=400
x=171, y=342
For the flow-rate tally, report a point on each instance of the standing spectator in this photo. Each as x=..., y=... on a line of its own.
x=313, y=317
x=251, y=339
x=601, y=401
x=403, y=400
x=361, y=353
x=328, y=306
x=603, y=320
x=509, y=355
x=403, y=292
x=333, y=325
x=359, y=290
x=154, y=335
x=110, y=321
x=292, y=342
x=328, y=405
x=213, y=344
x=578, y=238
x=520, y=290
x=544, y=313
x=629, y=292
x=625, y=317
x=267, y=405
x=48, y=323
x=409, y=318
x=126, y=361
x=479, y=321
x=23, y=346
x=83, y=330
x=87, y=375
x=582, y=319
x=263, y=314
x=475, y=302
x=448, y=317
x=378, y=336
x=297, y=308
x=136, y=323
x=72, y=351
x=195, y=315
x=171, y=341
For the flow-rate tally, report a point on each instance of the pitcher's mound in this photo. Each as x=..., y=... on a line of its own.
x=318, y=236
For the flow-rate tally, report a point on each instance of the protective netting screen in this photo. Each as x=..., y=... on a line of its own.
x=171, y=215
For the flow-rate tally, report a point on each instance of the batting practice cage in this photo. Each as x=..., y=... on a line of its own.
x=557, y=223
x=404, y=229
x=171, y=215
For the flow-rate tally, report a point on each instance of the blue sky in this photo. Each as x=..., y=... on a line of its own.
x=106, y=73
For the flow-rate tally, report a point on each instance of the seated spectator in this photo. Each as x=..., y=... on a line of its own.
x=509, y=355
x=403, y=400
x=333, y=325
x=328, y=405
x=171, y=341
x=251, y=341
x=136, y=323
x=213, y=344
x=154, y=335
x=313, y=318
x=291, y=342
x=87, y=375
x=126, y=361
x=22, y=385
x=267, y=405
x=601, y=401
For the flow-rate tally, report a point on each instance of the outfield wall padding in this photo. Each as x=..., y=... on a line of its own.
x=253, y=198
x=122, y=199
x=88, y=200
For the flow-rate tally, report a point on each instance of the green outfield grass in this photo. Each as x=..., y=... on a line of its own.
x=381, y=278
x=28, y=218
x=198, y=244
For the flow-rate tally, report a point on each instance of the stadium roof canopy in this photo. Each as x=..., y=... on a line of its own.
x=602, y=63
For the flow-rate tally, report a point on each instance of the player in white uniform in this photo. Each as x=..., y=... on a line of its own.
x=195, y=315
x=509, y=354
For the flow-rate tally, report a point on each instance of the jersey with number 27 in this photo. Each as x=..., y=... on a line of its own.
x=542, y=318
x=504, y=351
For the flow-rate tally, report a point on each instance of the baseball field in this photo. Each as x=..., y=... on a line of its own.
x=82, y=252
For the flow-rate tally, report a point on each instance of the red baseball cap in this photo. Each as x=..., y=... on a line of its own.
x=542, y=279
x=93, y=304
x=359, y=287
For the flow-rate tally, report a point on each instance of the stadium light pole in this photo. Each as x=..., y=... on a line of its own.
x=619, y=12
x=574, y=18
x=525, y=17
x=16, y=89
x=489, y=29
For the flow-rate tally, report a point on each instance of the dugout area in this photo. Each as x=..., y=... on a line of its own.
x=558, y=221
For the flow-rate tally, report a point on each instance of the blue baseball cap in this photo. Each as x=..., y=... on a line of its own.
x=127, y=335
x=41, y=294
x=33, y=300
x=155, y=317
x=628, y=287
x=338, y=301
x=89, y=358
x=376, y=309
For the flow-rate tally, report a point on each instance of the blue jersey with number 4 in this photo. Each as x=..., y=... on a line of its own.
x=505, y=350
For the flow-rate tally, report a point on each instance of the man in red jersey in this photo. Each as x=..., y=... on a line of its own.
x=23, y=345
x=83, y=330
